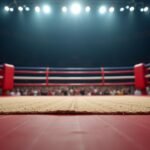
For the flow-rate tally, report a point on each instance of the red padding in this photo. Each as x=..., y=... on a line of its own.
x=8, y=77
x=140, y=80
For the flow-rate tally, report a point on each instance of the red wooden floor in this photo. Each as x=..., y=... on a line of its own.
x=95, y=132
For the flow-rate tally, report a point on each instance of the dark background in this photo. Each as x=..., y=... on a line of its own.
x=57, y=39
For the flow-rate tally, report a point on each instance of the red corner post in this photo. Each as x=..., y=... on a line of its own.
x=140, y=79
x=8, y=78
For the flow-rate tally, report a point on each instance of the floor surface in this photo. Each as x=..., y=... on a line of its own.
x=74, y=132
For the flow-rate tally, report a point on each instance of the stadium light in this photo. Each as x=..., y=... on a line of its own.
x=37, y=9
x=75, y=9
x=11, y=9
x=27, y=8
x=132, y=8
x=127, y=7
x=87, y=9
x=102, y=10
x=20, y=8
x=64, y=9
x=46, y=9
x=145, y=9
x=111, y=9
x=142, y=9
x=121, y=9
x=6, y=8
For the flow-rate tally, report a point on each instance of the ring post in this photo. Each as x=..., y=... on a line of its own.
x=140, y=79
x=8, y=78
x=102, y=74
x=47, y=74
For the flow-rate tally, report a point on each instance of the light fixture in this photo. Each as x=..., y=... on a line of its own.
x=132, y=8
x=27, y=8
x=87, y=9
x=111, y=9
x=37, y=9
x=20, y=8
x=121, y=9
x=64, y=9
x=11, y=9
x=46, y=9
x=102, y=10
x=75, y=9
x=6, y=8
x=142, y=9
x=146, y=9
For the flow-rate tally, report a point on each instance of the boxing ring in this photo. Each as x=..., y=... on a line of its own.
x=73, y=76
x=13, y=76
x=72, y=130
x=17, y=77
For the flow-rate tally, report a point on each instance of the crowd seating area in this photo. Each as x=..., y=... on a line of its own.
x=73, y=90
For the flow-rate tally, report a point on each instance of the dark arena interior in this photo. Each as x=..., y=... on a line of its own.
x=74, y=75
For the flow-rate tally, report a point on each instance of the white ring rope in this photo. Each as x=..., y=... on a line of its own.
x=91, y=78
x=73, y=78
x=147, y=76
x=119, y=77
x=1, y=77
x=29, y=78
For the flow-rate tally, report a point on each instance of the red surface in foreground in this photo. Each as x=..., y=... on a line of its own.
x=85, y=132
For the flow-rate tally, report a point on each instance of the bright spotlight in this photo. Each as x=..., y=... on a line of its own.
x=102, y=10
x=132, y=8
x=142, y=9
x=127, y=7
x=76, y=9
x=46, y=9
x=20, y=8
x=37, y=9
x=6, y=8
x=111, y=9
x=64, y=9
x=121, y=9
x=145, y=9
x=11, y=9
x=27, y=8
x=87, y=9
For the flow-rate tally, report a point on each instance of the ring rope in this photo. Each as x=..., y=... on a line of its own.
x=1, y=77
x=72, y=78
x=147, y=76
x=74, y=84
x=75, y=69
x=90, y=78
x=29, y=72
x=29, y=78
x=118, y=72
x=72, y=72
x=148, y=65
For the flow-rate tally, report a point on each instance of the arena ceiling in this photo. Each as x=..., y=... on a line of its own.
x=59, y=39
x=18, y=2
